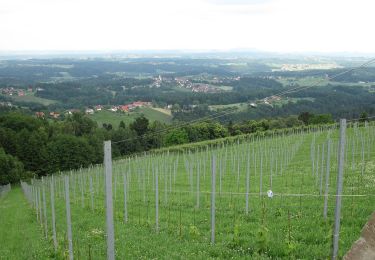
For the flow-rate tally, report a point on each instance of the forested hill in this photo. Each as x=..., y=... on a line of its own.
x=192, y=87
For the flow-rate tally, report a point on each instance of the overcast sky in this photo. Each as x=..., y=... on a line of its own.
x=270, y=25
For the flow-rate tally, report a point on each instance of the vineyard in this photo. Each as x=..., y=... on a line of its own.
x=256, y=197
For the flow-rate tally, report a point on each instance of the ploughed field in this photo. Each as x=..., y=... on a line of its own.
x=163, y=201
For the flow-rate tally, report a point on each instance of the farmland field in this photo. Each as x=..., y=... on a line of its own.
x=156, y=115
x=114, y=118
x=30, y=97
x=306, y=81
x=239, y=106
x=162, y=201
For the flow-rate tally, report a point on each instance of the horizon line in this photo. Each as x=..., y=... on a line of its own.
x=36, y=52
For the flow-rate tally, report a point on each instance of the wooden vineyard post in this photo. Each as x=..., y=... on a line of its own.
x=53, y=214
x=247, y=183
x=339, y=189
x=157, y=200
x=327, y=179
x=213, y=190
x=44, y=209
x=68, y=217
x=91, y=193
x=125, y=200
x=109, y=201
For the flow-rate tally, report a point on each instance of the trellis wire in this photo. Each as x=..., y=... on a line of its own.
x=277, y=157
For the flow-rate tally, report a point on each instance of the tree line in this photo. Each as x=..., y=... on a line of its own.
x=31, y=146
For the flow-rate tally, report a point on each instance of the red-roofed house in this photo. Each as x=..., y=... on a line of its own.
x=124, y=108
x=141, y=104
x=39, y=114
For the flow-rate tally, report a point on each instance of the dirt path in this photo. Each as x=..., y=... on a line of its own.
x=364, y=247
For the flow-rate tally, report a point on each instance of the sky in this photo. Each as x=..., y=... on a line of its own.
x=266, y=25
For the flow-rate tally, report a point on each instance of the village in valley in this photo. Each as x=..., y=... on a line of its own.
x=13, y=92
x=127, y=108
x=201, y=84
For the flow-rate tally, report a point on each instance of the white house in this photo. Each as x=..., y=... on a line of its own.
x=89, y=111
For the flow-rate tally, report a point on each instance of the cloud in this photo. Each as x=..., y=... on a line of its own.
x=241, y=7
x=288, y=25
x=239, y=2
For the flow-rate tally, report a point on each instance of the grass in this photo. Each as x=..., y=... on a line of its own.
x=284, y=101
x=240, y=106
x=21, y=235
x=156, y=115
x=305, y=81
x=114, y=119
x=225, y=88
x=163, y=110
x=30, y=97
x=288, y=226
x=64, y=76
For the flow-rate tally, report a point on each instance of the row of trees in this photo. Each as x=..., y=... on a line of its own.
x=30, y=145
